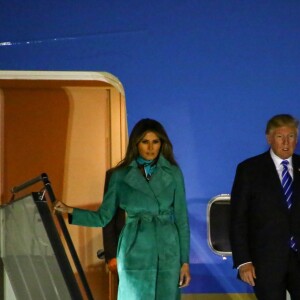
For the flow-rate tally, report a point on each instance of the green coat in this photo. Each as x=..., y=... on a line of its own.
x=154, y=243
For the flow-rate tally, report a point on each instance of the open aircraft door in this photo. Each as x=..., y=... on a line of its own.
x=72, y=126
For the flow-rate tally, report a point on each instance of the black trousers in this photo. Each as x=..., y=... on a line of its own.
x=271, y=285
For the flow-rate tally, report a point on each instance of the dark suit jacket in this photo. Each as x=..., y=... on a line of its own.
x=261, y=224
x=112, y=230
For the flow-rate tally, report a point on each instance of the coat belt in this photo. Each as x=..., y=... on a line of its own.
x=136, y=219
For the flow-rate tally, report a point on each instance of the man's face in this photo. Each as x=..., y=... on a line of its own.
x=283, y=141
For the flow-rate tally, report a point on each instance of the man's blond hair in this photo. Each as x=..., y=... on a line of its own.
x=280, y=121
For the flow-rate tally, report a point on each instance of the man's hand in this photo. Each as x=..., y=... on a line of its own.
x=247, y=273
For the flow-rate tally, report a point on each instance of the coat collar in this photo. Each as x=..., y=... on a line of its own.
x=161, y=162
x=158, y=182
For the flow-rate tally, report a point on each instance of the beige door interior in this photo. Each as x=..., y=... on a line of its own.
x=72, y=126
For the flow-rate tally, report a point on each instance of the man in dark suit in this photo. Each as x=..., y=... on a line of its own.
x=265, y=227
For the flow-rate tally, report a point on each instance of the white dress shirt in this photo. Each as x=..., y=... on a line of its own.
x=279, y=167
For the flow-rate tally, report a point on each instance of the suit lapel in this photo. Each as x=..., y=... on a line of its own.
x=270, y=171
x=296, y=179
x=273, y=180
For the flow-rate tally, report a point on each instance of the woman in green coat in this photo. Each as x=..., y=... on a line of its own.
x=153, y=248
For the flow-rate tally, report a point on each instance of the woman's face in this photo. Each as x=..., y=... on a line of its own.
x=149, y=146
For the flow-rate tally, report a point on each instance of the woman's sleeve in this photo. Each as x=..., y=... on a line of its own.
x=181, y=217
x=106, y=211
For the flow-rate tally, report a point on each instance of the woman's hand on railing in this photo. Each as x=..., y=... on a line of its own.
x=62, y=207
